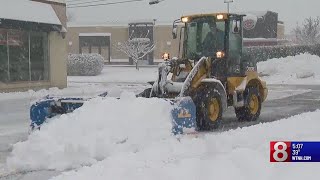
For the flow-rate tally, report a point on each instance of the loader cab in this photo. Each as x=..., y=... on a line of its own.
x=218, y=36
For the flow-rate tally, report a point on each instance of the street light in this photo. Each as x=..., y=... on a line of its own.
x=228, y=2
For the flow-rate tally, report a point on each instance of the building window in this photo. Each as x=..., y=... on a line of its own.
x=95, y=43
x=18, y=48
x=23, y=56
x=39, y=56
x=4, y=71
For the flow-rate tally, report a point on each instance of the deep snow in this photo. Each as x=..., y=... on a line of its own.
x=101, y=128
x=236, y=154
x=135, y=143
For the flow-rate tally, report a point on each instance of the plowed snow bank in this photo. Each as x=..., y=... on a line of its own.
x=101, y=128
x=240, y=154
x=300, y=69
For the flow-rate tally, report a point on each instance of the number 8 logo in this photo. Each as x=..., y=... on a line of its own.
x=280, y=151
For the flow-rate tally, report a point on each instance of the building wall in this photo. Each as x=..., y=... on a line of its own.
x=162, y=38
x=265, y=26
x=118, y=34
x=58, y=48
x=165, y=43
x=58, y=56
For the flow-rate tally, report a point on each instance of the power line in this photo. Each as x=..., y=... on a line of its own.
x=104, y=4
x=74, y=0
x=79, y=3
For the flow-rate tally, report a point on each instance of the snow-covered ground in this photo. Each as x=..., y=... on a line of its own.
x=300, y=69
x=123, y=141
x=237, y=154
x=130, y=137
x=119, y=75
x=125, y=125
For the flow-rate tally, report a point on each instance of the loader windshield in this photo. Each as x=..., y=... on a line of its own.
x=204, y=37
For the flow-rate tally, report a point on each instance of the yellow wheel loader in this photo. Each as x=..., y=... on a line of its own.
x=212, y=74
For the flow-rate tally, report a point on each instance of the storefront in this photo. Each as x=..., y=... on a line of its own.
x=23, y=56
x=32, y=46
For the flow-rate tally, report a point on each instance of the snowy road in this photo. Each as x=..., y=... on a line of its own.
x=284, y=101
x=283, y=107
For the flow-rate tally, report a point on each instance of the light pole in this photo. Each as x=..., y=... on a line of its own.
x=228, y=4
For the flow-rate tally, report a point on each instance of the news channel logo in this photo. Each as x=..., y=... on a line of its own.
x=288, y=151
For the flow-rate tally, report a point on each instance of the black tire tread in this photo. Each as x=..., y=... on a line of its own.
x=243, y=113
x=202, y=100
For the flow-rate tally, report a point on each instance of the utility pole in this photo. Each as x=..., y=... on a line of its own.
x=228, y=4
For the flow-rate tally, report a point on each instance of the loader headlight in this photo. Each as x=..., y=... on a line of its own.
x=185, y=19
x=220, y=54
x=166, y=56
x=220, y=16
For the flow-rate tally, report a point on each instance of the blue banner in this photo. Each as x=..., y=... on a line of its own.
x=305, y=151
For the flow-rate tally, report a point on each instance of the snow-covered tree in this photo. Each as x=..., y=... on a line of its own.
x=136, y=48
x=309, y=31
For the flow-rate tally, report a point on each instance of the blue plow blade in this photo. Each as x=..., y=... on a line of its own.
x=183, y=112
x=50, y=107
x=184, y=116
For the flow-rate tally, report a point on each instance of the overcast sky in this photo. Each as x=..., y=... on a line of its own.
x=290, y=11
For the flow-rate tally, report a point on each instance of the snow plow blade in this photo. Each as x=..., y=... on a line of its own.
x=183, y=112
x=184, y=116
x=50, y=107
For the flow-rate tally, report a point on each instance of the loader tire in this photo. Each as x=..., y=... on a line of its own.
x=252, y=108
x=209, y=109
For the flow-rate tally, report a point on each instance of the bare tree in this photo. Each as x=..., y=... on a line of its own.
x=136, y=48
x=309, y=32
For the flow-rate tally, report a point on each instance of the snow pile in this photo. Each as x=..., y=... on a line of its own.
x=85, y=89
x=100, y=129
x=85, y=64
x=237, y=154
x=130, y=139
x=300, y=69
